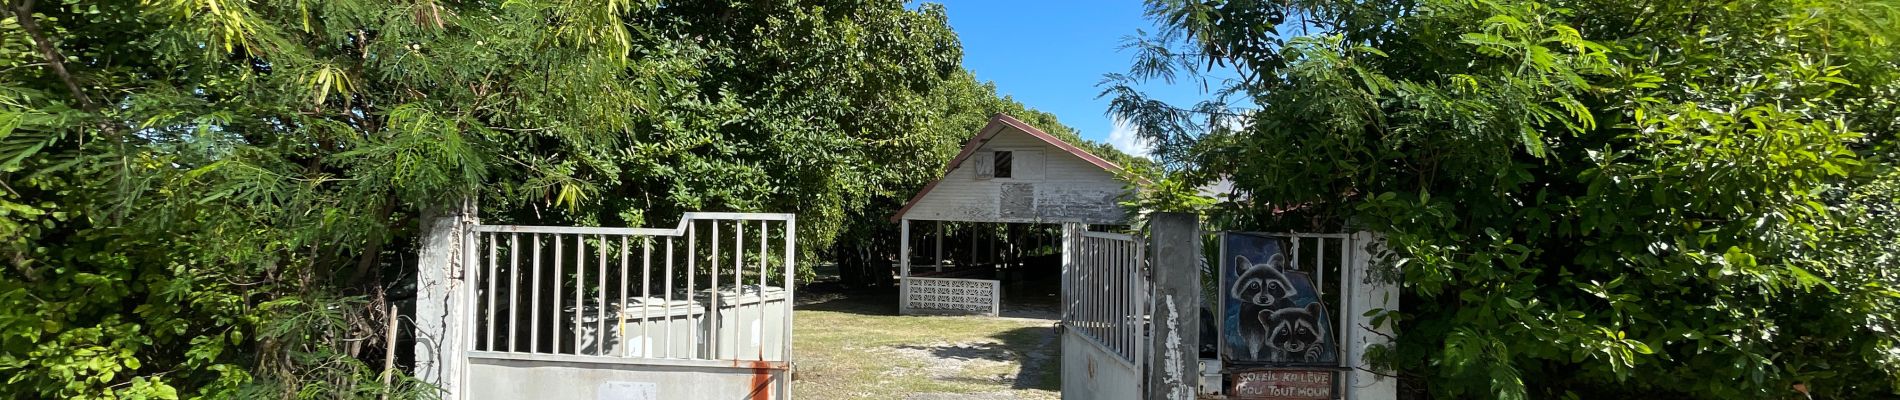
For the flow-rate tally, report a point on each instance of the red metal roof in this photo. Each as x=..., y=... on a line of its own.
x=990, y=130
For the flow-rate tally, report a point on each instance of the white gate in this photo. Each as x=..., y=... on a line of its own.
x=702, y=310
x=1105, y=307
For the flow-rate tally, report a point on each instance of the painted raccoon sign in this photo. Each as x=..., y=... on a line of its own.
x=1272, y=313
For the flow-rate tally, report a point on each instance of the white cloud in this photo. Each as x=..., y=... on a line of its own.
x=1124, y=138
x=1238, y=122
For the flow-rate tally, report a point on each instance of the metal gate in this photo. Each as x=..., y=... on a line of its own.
x=1105, y=308
x=702, y=310
x=1126, y=314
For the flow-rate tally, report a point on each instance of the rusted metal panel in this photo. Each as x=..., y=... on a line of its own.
x=1092, y=205
x=985, y=165
x=1018, y=200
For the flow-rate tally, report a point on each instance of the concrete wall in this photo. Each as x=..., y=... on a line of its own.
x=1090, y=371
x=555, y=377
x=1060, y=188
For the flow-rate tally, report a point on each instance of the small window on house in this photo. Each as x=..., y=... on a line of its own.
x=1003, y=164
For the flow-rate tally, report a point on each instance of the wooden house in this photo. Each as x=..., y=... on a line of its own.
x=1009, y=182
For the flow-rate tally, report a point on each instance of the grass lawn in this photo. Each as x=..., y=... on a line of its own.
x=859, y=348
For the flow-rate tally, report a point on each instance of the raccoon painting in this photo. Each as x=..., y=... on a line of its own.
x=1293, y=334
x=1262, y=288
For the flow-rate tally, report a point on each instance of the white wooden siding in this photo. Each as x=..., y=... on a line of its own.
x=1067, y=188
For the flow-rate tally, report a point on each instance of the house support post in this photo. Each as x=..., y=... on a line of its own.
x=939, y=247
x=903, y=267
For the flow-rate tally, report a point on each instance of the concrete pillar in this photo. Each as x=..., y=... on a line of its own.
x=1174, y=266
x=1369, y=289
x=443, y=331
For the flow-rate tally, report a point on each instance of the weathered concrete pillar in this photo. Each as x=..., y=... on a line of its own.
x=1175, y=267
x=1370, y=288
x=442, y=298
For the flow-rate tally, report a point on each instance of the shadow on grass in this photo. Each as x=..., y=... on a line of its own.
x=967, y=351
x=1041, y=355
x=1034, y=350
x=861, y=302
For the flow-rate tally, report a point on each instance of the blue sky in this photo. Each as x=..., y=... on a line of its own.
x=1049, y=55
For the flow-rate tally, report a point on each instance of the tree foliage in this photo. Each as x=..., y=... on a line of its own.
x=1584, y=199
x=216, y=198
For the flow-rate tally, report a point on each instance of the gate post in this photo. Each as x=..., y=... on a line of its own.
x=1370, y=290
x=1175, y=267
x=443, y=297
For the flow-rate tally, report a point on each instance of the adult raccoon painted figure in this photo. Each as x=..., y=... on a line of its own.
x=1262, y=289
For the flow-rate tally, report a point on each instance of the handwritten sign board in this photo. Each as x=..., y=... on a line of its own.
x=1284, y=384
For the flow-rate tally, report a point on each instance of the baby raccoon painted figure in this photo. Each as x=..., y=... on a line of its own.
x=1293, y=334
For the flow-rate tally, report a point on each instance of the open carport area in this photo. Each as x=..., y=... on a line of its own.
x=858, y=347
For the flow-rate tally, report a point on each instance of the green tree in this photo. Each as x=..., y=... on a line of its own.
x=1584, y=199
x=211, y=198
